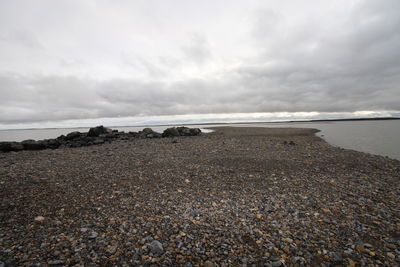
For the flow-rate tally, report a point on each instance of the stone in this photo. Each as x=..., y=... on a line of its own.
x=52, y=143
x=33, y=145
x=55, y=262
x=287, y=240
x=147, y=131
x=111, y=249
x=391, y=255
x=360, y=248
x=276, y=263
x=97, y=131
x=337, y=258
x=93, y=235
x=39, y=219
x=156, y=248
x=192, y=213
x=351, y=263
x=195, y=131
x=73, y=135
x=184, y=131
x=11, y=146
x=171, y=132
x=208, y=264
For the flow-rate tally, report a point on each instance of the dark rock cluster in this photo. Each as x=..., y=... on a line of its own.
x=181, y=131
x=95, y=136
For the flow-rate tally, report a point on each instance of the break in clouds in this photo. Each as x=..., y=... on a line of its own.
x=66, y=60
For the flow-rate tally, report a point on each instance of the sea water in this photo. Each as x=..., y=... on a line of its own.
x=381, y=137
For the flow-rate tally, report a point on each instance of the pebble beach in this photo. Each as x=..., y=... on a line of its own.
x=233, y=197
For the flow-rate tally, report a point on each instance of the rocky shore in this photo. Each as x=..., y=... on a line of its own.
x=96, y=136
x=234, y=197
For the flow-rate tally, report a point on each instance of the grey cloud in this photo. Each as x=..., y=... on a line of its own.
x=22, y=37
x=198, y=49
x=350, y=66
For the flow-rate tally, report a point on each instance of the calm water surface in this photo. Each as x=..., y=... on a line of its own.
x=375, y=137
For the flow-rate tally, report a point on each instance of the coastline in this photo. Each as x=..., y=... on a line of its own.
x=250, y=195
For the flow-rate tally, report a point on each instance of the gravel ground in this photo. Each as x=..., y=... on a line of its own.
x=236, y=197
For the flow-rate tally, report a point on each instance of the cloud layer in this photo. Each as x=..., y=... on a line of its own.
x=75, y=60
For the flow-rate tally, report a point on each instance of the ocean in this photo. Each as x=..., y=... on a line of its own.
x=380, y=137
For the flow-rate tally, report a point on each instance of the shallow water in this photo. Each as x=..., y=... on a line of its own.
x=375, y=137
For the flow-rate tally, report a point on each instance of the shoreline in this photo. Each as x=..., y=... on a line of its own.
x=250, y=195
x=213, y=123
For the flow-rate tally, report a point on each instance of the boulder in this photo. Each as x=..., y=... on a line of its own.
x=73, y=135
x=108, y=136
x=132, y=134
x=156, y=248
x=147, y=131
x=98, y=141
x=52, y=143
x=171, y=132
x=185, y=131
x=153, y=135
x=11, y=146
x=195, y=131
x=61, y=138
x=97, y=131
x=33, y=145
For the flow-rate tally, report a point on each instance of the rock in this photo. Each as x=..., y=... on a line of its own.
x=97, y=131
x=276, y=263
x=287, y=240
x=391, y=255
x=39, y=219
x=93, y=235
x=98, y=141
x=153, y=135
x=132, y=134
x=360, y=248
x=171, y=132
x=275, y=258
x=147, y=131
x=191, y=213
x=181, y=131
x=55, y=262
x=33, y=145
x=208, y=264
x=337, y=258
x=52, y=143
x=351, y=263
x=73, y=135
x=111, y=250
x=184, y=131
x=61, y=138
x=146, y=239
x=11, y=146
x=195, y=131
x=156, y=248
x=289, y=143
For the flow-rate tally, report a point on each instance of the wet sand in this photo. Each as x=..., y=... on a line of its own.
x=232, y=197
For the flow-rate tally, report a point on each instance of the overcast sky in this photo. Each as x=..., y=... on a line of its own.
x=74, y=59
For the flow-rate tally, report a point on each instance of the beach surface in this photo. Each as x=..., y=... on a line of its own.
x=234, y=197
